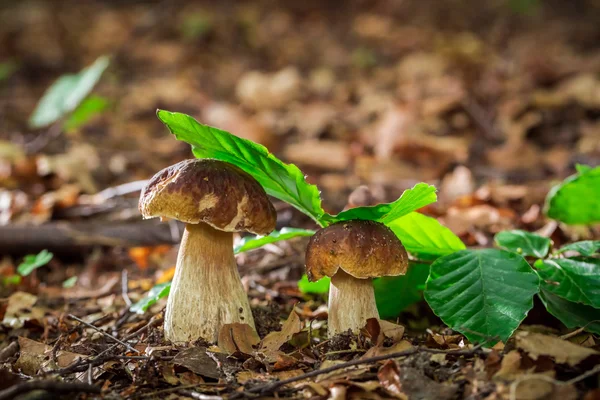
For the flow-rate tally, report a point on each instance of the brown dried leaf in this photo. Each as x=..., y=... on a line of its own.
x=379, y=351
x=20, y=310
x=389, y=378
x=35, y=356
x=196, y=360
x=510, y=366
x=238, y=338
x=391, y=330
x=536, y=344
x=273, y=341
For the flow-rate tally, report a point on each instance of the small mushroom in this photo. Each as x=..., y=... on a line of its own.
x=352, y=253
x=214, y=199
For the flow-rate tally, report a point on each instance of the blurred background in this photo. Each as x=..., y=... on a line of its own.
x=490, y=101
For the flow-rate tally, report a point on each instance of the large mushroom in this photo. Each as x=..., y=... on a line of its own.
x=352, y=253
x=214, y=199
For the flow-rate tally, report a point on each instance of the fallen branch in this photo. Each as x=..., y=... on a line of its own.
x=65, y=236
x=274, y=386
x=48, y=386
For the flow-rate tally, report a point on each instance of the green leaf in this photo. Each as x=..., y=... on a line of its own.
x=66, y=93
x=90, y=107
x=575, y=201
x=425, y=236
x=254, y=242
x=575, y=279
x=585, y=247
x=484, y=294
x=319, y=287
x=157, y=292
x=283, y=181
x=573, y=315
x=69, y=283
x=523, y=242
x=419, y=196
x=34, y=261
x=394, y=293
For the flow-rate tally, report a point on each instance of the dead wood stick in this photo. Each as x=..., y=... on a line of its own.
x=48, y=386
x=15, y=239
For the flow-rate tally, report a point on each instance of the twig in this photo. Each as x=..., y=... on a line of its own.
x=124, y=288
x=103, y=333
x=120, y=190
x=49, y=386
x=583, y=376
x=271, y=387
x=82, y=364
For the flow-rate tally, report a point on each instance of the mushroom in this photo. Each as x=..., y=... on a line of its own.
x=214, y=199
x=352, y=253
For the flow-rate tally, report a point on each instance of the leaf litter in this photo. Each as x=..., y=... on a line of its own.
x=494, y=139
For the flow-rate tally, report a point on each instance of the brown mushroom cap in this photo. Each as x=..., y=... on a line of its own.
x=364, y=249
x=210, y=191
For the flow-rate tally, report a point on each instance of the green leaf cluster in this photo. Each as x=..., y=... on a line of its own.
x=485, y=294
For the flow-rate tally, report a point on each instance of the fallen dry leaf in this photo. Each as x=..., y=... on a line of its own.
x=536, y=344
x=35, y=356
x=389, y=378
x=238, y=338
x=391, y=330
x=196, y=360
x=510, y=366
x=273, y=341
x=20, y=310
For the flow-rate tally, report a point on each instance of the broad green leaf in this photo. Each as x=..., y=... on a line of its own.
x=283, y=181
x=425, y=236
x=157, y=292
x=394, y=293
x=34, y=261
x=66, y=93
x=575, y=279
x=319, y=287
x=484, y=294
x=585, y=247
x=575, y=200
x=69, y=283
x=90, y=107
x=523, y=242
x=419, y=196
x=254, y=242
x=248, y=243
x=573, y=315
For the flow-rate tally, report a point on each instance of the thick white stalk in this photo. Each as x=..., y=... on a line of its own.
x=351, y=303
x=206, y=291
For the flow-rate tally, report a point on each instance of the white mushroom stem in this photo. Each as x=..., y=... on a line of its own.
x=351, y=303
x=206, y=291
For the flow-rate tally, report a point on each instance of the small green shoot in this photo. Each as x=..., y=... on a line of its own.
x=66, y=94
x=34, y=261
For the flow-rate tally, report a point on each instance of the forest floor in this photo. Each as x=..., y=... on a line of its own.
x=491, y=103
